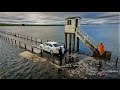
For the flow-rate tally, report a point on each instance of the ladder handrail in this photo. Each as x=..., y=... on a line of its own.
x=89, y=44
x=88, y=38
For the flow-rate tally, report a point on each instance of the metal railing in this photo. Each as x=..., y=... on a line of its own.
x=88, y=38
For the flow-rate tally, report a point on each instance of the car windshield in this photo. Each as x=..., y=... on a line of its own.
x=56, y=45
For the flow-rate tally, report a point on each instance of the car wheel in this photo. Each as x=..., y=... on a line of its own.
x=51, y=52
x=40, y=47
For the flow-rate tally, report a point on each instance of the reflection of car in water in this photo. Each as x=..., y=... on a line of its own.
x=52, y=47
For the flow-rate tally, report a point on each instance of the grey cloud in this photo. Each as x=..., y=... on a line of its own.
x=58, y=17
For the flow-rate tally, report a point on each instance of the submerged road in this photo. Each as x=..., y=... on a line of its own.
x=74, y=56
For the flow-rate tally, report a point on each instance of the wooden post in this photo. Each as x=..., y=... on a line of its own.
x=15, y=41
x=31, y=38
x=12, y=41
x=77, y=44
x=19, y=43
x=25, y=46
x=32, y=48
x=36, y=40
x=8, y=40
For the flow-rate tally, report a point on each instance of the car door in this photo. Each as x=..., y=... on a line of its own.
x=49, y=47
x=45, y=46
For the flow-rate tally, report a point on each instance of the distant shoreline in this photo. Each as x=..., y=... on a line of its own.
x=28, y=25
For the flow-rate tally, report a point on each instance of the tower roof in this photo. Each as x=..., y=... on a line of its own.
x=73, y=17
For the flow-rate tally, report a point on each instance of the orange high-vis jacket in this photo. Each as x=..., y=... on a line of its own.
x=101, y=49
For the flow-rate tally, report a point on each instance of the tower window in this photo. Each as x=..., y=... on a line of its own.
x=69, y=22
x=76, y=23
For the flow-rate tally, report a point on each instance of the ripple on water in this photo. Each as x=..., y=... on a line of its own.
x=13, y=66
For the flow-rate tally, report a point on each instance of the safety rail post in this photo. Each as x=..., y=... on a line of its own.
x=32, y=48
x=5, y=38
x=27, y=37
x=9, y=40
x=25, y=46
x=36, y=40
x=12, y=41
x=19, y=43
x=15, y=41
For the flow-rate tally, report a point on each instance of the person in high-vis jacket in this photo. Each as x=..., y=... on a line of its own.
x=101, y=49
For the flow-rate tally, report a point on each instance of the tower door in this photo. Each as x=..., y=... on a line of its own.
x=76, y=23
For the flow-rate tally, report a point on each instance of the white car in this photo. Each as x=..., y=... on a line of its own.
x=52, y=47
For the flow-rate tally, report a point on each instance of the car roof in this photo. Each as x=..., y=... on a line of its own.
x=53, y=42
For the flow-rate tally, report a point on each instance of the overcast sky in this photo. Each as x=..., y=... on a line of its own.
x=58, y=17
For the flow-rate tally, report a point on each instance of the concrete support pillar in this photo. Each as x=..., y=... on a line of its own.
x=70, y=36
x=77, y=44
x=73, y=42
x=65, y=40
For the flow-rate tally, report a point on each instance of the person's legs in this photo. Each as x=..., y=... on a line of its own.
x=100, y=63
x=60, y=60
